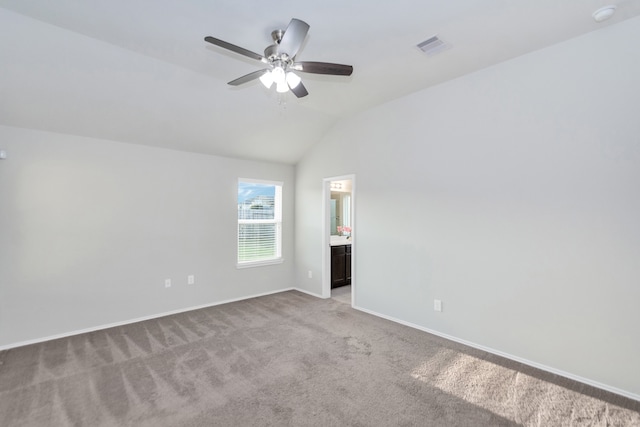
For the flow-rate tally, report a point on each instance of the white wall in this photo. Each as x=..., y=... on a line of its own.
x=89, y=230
x=518, y=189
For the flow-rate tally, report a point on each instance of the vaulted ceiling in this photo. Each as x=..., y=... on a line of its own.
x=140, y=72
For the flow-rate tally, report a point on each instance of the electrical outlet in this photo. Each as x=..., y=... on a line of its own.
x=310, y=274
x=191, y=279
x=437, y=305
x=167, y=283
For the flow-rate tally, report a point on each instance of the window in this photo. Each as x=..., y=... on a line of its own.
x=259, y=222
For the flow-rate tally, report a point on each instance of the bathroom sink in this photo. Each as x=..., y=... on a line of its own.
x=339, y=240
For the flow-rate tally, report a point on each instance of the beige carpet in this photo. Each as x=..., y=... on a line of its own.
x=285, y=360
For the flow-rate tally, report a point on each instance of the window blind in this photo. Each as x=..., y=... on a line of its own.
x=259, y=222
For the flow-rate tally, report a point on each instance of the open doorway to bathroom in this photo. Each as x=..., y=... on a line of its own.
x=339, y=239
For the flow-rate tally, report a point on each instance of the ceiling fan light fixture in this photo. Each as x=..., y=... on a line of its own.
x=281, y=87
x=293, y=80
x=267, y=79
x=280, y=60
x=280, y=79
x=278, y=75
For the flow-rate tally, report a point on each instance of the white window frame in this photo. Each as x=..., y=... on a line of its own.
x=277, y=220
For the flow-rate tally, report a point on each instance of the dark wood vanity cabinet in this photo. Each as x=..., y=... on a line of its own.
x=340, y=266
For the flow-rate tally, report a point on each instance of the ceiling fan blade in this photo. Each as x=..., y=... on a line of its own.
x=323, y=68
x=293, y=37
x=247, y=78
x=299, y=90
x=234, y=48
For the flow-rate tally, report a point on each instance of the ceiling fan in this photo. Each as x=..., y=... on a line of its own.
x=280, y=58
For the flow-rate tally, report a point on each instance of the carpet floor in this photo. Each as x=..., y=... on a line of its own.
x=286, y=359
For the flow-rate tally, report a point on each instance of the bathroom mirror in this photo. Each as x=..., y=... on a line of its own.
x=340, y=207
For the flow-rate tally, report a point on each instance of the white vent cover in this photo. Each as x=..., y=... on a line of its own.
x=433, y=45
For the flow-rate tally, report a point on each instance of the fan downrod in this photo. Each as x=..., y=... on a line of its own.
x=276, y=35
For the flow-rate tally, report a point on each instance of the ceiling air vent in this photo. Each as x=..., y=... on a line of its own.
x=433, y=45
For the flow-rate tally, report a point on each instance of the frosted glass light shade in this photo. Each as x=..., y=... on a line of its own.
x=267, y=79
x=293, y=80
x=282, y=87
x=280, y=78
x=278, y=75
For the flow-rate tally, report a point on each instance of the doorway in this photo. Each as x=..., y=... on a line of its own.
x=339, y=238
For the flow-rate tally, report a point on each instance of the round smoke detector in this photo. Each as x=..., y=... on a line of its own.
x=604, y=13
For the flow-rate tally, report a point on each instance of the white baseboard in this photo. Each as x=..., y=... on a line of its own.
x=138, y=319
x=508, y=356
x=373, y=313
x=313, y=294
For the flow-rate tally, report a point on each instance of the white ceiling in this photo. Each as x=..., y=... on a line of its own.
x=140, y=72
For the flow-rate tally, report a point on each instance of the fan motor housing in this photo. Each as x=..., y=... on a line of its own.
x=275, y=56
x=271, y=51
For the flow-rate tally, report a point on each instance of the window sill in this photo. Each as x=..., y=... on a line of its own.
x=251, y=264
